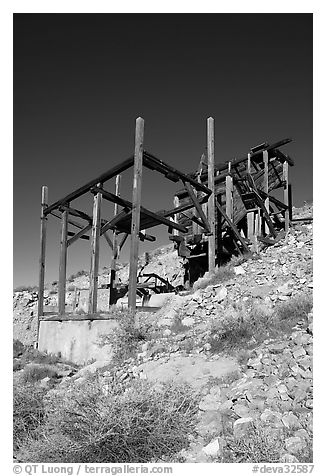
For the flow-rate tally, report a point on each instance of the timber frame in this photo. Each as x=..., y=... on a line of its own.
x=222, y=207
x=132, y=219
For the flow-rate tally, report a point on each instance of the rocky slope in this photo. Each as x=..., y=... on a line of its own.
x=243, y=340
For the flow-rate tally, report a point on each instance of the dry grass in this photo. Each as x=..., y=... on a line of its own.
x=139, y=423
x=237, y=330
x=261, y=445
x=28, y=412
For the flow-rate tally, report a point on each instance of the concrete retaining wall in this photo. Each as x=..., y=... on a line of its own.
x=77, y=340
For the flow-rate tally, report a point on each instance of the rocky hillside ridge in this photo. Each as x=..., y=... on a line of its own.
x=242, y=339
x=163, y=261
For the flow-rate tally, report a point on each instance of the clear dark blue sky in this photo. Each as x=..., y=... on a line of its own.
x=80, y=81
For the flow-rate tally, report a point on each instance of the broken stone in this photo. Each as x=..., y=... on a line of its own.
x=241, y=410
x=242, y=426
x=239, y=270
x=213, y=448
x=209, y=402
x=220, y=293
x=294, y=444
x=291, y=421
x=287, y=458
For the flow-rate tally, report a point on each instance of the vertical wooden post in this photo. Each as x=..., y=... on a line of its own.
x=266, y=186
x=229, y=194
x=176, y=203
x=250, y=215
x=115, y=248
x=136, y=197
x=63, y=263
x=219, y=234
x=286, y=194
x=290, y=202
x=44, y=203
x=95, y=253
x=211, y=199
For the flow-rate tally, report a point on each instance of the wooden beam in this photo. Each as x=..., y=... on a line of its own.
x=250, y=215
x=229, y=196
x=122, y=242
x=76, y=213
x=117, y=169
x=63, y=263
x=107, y=239
x=112, y=224
x=198, y=207
x=115, y=247
x=95, y=254
x=272, y=199
x=136, y=197
x=290, y=202
x=176, y=204
x=234, y=229
x=154, y=163
x=40, y=305
x=266, y=185
x=80, y=234
x=211, y=186
x=286, y=194
x=261, y=206
x=219, y=229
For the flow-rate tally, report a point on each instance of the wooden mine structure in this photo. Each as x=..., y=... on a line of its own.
x=222, y=209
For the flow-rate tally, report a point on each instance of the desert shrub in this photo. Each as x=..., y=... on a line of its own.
x=294, y=310
x=126, y=337
x=28, y=412
x=23, y=287
x=240, y=329
x=220, y=275
x=34, y=372
x=77, y=275
x=138, y=423
x=18, y=348
x=260, y=445
x=31, y=355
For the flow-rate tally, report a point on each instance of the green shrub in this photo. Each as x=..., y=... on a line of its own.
x=28, y=412
x=139, y=423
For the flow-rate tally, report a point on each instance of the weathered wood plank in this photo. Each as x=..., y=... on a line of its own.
x=232, y=226
x=115, y=247
x=136, y=197
x=229, y=196
x=198, y=207
x=117, y=169
x=115, y=221
x=63, y=263
x=266, y=167
x=160, y=166
x=40, y=306
x=95, y=254
x=211, y=186
x=80, y=234
x=286, y=194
